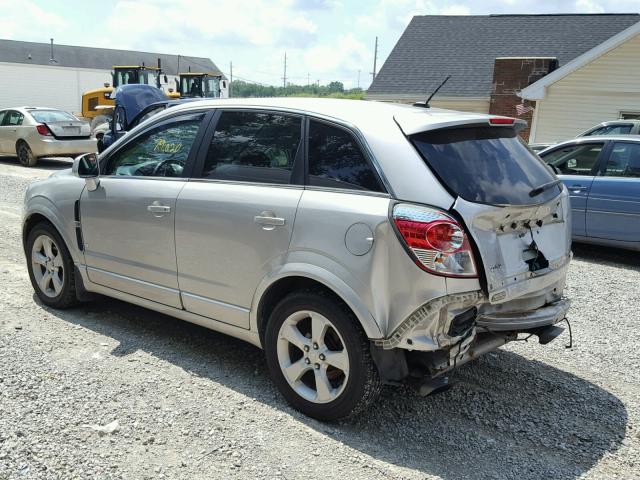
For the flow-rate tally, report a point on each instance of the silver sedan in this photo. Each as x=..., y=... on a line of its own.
x=34, y=132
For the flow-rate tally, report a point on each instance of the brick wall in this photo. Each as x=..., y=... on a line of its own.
x=511, y=75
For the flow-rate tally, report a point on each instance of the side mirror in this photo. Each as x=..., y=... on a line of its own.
x=86, y=166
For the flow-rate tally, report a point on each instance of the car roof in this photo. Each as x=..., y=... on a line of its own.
x=592, y=139
x=616, y=122
x=366, y=115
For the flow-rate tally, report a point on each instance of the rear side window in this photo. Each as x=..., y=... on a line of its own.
x=624, y=160
x=335, y=160
x=12, y=118
x=254, y=147
x=486, y=165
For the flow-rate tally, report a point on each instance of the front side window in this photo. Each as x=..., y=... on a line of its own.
x=575, y=159
x=336, y=160
x=160, y=152
x=253, y=147
x=2, y=114
x=624, y=160
x=624, y=129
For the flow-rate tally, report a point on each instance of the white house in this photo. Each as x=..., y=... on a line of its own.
x=41, y=74
x=601, y=84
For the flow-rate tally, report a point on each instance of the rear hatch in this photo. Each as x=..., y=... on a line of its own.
x=513, y=205
x=61, y=124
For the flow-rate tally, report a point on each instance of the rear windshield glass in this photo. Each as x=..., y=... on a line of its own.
x=486, y=165
x=44, y=116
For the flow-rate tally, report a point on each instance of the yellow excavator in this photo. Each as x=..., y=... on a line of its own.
x=194, y=85
x=95, y=102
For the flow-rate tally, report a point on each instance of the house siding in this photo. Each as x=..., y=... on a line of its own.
x=595, y=93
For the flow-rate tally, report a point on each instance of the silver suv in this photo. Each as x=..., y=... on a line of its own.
x=357, y=243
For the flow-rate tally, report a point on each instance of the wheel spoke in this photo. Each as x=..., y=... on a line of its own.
x=43, y=283
x=39, y=258
x=293, y=336
x=340, y=359
x=47, y=243
x=57, y=282
x=324, y=390
x=319, y=326
x=295, y=370
x=57, y=260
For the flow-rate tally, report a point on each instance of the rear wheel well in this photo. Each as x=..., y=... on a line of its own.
x=19, y=141
x=283, y=287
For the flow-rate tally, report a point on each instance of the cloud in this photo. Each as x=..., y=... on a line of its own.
x=25, y=20
x=589, y=6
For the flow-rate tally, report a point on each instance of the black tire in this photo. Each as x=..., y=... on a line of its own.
x=363, y=383
x=25, y=155
x=67, y=296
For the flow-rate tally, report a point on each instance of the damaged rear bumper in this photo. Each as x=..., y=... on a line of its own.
x=518, y=321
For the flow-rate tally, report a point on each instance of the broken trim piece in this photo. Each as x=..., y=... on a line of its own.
x=423, y=313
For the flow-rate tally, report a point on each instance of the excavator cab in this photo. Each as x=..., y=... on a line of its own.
x=203, y=85
x=127, y=75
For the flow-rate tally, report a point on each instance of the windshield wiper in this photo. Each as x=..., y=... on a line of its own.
x=546, y=186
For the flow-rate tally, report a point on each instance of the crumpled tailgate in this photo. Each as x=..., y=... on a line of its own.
x=524, y=249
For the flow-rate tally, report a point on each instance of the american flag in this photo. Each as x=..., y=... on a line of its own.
x=521, y=109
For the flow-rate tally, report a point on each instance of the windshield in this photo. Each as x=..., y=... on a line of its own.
x=44, y=116
x=486, y=165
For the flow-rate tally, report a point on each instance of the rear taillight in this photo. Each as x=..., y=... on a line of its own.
x=43, y=129
x=436, y=240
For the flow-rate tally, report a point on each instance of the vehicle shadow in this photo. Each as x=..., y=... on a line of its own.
x=606, y=255
x=53, y=163
x=505, y=413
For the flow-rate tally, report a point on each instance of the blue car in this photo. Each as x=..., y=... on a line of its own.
x=602, y=174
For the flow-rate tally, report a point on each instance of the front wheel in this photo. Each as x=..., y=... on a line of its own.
x=319, y=357
x=50, y=267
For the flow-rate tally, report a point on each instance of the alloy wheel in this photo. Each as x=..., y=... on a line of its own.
x=313, y=357
x=47, y=266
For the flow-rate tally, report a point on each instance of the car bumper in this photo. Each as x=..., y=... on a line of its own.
x=51, y=147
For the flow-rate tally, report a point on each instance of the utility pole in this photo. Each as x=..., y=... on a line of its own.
x=230, y=77
x=358, y=78
x=375, y=59
x=284, y=77
x=308, y=80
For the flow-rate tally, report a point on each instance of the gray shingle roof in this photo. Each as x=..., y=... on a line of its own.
x=99, y=58
x=465, y=47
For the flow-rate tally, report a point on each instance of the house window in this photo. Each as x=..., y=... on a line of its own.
x=629, y=115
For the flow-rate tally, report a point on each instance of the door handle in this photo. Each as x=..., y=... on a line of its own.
x=577, y=188
x=159, y=208
x=267, y=220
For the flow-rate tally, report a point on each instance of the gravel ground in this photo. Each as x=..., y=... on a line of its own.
x=193, y=404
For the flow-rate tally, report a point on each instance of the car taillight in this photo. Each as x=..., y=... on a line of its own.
x=436, y=240
x=43, y=129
